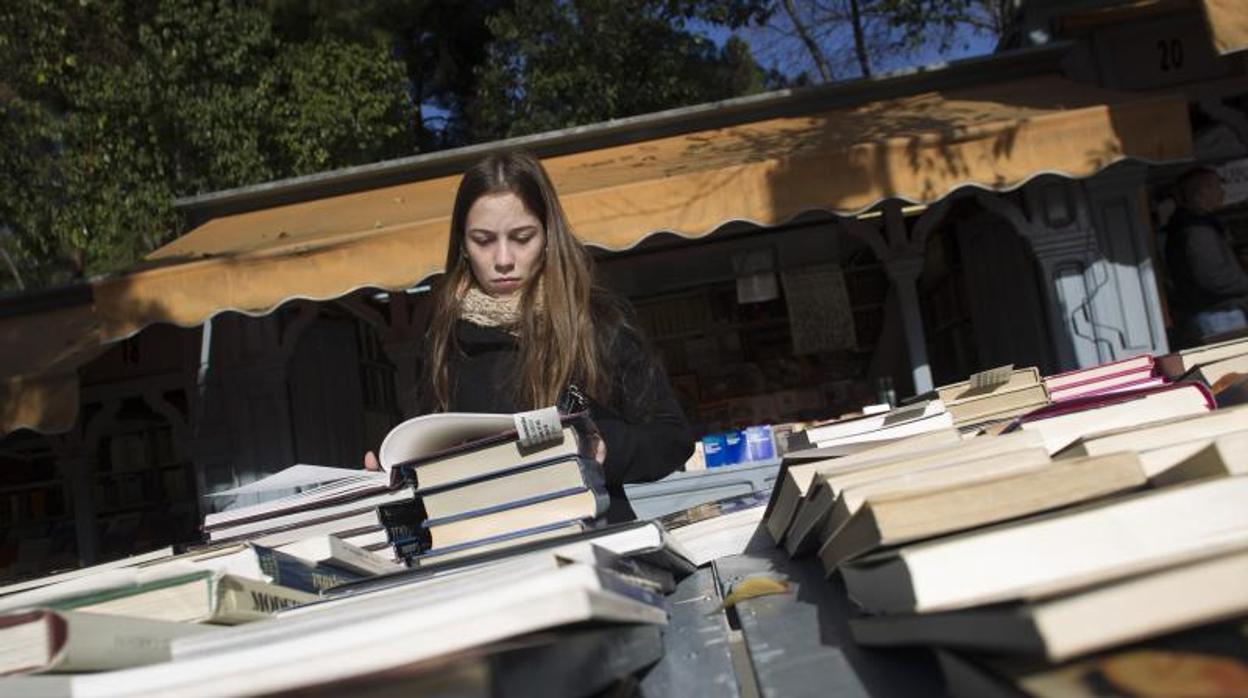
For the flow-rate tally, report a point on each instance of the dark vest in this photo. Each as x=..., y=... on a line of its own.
x=1187, y=296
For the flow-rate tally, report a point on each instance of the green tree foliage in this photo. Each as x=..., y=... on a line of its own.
x=439, y=42
x=554, y=64
x=109, y=109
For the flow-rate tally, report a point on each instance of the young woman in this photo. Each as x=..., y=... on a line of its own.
x=519, y=324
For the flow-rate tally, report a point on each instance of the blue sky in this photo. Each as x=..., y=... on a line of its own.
x=773, y=49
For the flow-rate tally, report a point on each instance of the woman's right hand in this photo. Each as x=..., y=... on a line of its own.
x=371, y=462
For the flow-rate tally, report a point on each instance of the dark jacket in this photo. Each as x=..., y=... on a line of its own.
x=644, y=429
x=1204, y=273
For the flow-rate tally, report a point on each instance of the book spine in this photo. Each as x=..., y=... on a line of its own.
x=291, y=572
x=238, y=600
x=500, y=537
x=544, y=462
x=408, y=549
x=1150, y=364
x=1083, y=391
x=484, y=511
x=355, y=558
x=402, y=519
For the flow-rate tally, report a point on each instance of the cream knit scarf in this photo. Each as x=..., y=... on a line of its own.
x=480, y=308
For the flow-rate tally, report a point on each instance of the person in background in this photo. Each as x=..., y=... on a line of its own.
x=1209, y=287
x=519, y=323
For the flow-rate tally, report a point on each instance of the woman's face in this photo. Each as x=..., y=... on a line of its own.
x=504, y=243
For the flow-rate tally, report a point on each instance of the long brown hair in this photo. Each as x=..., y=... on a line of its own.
x=563, y=343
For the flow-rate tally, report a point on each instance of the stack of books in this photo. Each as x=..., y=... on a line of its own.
x=1030, y=555
x=1026, y=599
x=571, y=618
x=856, y=433
x=1135, y=373
x=993, y=396
x=473, y=483
x=126, y=613
x=224, y=584
x=1223, y=367
x=344, y=508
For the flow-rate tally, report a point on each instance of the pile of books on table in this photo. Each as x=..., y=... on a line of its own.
x=476, y=483
x=452, y=485
x=332, y=502
x=530, y=588
x=1101, y=537
x=531, y=621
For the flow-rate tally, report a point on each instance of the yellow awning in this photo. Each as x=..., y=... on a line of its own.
x=1228, y=24
x=42, y=354
x=918, y=148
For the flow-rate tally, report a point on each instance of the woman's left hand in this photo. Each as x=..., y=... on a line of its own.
x=600, y=450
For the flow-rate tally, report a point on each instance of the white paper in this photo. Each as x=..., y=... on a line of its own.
x=539, y=427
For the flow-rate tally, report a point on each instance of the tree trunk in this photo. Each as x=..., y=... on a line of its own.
x=816, y=54
x=860, y=42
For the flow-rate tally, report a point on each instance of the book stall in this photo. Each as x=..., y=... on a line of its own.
x=1014, y=534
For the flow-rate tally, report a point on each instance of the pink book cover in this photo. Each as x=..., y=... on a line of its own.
x=1144, y=365
x=1091, y=402
x=1106, y=388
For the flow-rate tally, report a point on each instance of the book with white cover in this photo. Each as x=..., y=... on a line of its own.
x=796, y=473
x=1160, y=433
x=344, y=526
x=726, y=527
x=69, y=575
x=887, y=434
x=1225, y=455
x=310, y=503
x=1186, y=595
x=814, y=507
x=965, y=390
x=42, y=640
x=299, y=476
x=849, y=496
x=171, y=594
x=892, y=518
x=431, y=433
x=243, y=530
x=1176, y=364
x=1051, y=554
x=332, y=550
x=911, y=419
x=428, y=586
x=927, y=439
x=448, y=449
x=1066, y=422
x=266, y=564
x=1215, y=371
x=642, y=540
x=348, y=642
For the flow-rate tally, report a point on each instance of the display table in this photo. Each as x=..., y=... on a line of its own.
x=796, y=644
x=684, y=489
